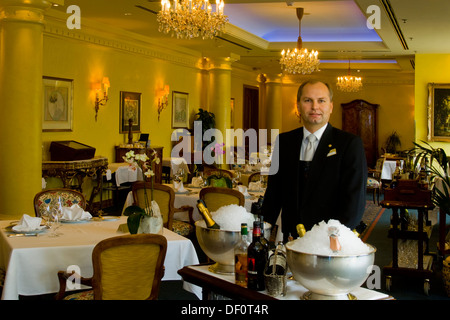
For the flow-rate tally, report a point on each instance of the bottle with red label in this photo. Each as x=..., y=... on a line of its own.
x=256, y=260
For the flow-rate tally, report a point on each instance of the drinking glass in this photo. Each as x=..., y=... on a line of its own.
x=236, y=178
x=56, y=215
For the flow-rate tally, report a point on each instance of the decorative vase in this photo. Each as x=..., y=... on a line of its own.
x=152, y=224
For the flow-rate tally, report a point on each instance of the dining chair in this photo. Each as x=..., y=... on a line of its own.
x=254, y=177
x=165, y=198
x=216, y=197
x=128, y=267
x=374, y=183
x=68, y=197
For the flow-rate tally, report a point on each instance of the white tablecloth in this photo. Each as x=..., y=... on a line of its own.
x=32, y=263
x=190, y=199
x=176, y=164
x=389, y=168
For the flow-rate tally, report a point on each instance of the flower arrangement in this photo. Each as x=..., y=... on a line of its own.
x=135, y=213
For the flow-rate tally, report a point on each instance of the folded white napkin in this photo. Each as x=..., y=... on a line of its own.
x=28, y=223
x=179, y=187
x=197, y=181
x=243, y=190
x=74, y=213
x=254, y=186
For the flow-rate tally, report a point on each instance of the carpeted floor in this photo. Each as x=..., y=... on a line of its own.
x=402, y=287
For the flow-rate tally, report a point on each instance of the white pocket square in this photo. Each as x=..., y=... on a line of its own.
x=331, y=153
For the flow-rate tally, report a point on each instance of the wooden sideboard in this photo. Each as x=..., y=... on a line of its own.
x=157, y=168
x=360, y=118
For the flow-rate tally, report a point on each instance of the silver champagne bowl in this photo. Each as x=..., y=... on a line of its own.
x=329, y=277
x=219, y=245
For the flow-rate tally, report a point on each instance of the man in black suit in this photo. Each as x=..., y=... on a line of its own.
x=332, y=184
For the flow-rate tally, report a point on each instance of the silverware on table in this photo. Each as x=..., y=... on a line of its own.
x=22, y=235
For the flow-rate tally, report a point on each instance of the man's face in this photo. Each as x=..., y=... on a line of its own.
x=315, y=106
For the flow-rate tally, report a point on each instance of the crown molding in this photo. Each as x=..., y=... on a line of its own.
x=118, y=39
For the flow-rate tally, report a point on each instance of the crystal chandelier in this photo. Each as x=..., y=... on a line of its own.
x=299, y=60
x=349, y=83
x=188, y=19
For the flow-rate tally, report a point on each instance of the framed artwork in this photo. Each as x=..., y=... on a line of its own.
x=438, y=112
x=58, y=104
x=130, y=108
x=180, y=110
x=232, y=113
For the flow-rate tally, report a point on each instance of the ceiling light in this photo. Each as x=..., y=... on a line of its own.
x=188, y=19
x=349, y=83
x=299, y=60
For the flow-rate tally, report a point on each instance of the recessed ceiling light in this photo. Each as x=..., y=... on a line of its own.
x=128, y=14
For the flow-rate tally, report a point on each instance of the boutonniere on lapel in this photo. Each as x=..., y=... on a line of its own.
x=332, y=152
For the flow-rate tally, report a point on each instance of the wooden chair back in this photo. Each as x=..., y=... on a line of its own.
x=162, y=194
x=216, y=197
x=68, y=198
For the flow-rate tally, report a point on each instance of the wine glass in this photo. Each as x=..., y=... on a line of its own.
x=55, y=218
x=236, y=178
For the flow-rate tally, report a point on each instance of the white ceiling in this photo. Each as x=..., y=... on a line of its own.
x=260, y=29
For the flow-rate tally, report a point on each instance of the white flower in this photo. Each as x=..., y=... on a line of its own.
x=149, y=173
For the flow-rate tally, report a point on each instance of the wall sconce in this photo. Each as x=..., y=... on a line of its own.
x=101, y=102
x=163, y=99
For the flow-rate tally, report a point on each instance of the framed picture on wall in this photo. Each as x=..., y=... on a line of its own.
x=57, y=104
x=130, y=109
x=180, y=110
x=438, y=112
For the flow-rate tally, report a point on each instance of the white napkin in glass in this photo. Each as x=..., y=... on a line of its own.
x=75, y=213
x=179, y=187
x=28, y=223
x=197, y=181
x=254, y=186
x=243, y=190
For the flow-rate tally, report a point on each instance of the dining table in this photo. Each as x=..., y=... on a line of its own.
x=190, y=196
x=32, y=262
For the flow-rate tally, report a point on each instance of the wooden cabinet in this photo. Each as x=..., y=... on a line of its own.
x=360, y=118
x=157, y=168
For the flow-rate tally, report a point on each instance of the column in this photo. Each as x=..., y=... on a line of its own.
x=220, y=93
x=274, y=102
x=21, y=53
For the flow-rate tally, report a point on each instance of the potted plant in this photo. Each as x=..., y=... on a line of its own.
x=148, y=219
x=437, y=168
x=392, y=143
x=208, y=120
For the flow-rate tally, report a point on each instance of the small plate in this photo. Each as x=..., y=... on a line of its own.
x=75, y=221
x=110, y=218
x=184, y=192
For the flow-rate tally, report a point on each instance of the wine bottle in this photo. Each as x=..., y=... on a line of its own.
x=264, y=241
x=240, y=257
x=277, y=263
x=359, y=229
x=333, y=233
x=301, y=230
x=256, y=260
x=210, y=223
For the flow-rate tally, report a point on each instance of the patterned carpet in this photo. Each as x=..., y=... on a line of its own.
x=371, y=215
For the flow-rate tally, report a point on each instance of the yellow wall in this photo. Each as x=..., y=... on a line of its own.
x=430, y=68
x=86, y=64
x=395, y=111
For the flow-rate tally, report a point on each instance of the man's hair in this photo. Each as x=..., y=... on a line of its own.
x=313, y=81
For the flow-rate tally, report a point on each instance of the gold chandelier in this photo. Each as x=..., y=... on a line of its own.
x=299, y=60
x=187, y=19
x=349, y=83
